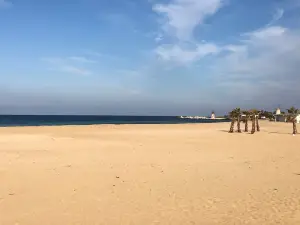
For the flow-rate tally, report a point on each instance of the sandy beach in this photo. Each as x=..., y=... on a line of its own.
x=149, y=174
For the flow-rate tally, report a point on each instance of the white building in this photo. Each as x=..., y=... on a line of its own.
x=278, y=112
x=298, y=118
x=213, y=116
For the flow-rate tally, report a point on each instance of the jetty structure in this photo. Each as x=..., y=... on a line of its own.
x=211, y=117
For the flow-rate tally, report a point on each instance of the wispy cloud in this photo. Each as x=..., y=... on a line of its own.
x=69, y=64
x=277, y=16
x=263, y=67
x=81, y=59
x=159, y=38
x=180, y=17
x=75, y=70
x=100, y=55
x=5, y=4
x=182, y=55
x=266, y=33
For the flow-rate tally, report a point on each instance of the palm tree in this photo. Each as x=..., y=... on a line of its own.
x=253, y=119
x=247, y=116
x=238, y=115
x=257, y=124
x=293, y=113
x=232, y=116
x=269, y=115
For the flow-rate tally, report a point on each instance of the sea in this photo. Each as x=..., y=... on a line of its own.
x=54, y=120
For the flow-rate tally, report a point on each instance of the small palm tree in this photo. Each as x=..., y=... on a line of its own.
x=253, y=114
x=232, y=116
x=247, y=117
x=293, y=113
x=268, y=115
x=238, y=116
x=257, y=124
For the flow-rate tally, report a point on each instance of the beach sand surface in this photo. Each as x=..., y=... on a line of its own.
x=149, y=174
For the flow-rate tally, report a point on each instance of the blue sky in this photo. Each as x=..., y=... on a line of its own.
x=150, y=57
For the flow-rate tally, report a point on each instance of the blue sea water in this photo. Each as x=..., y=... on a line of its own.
x=51, y=120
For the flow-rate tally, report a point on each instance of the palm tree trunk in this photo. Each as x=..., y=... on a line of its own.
x=253, y=125
x=257, y=124
x=246, y=125
x=231, y=126
x=239, y=125
x=294, y=127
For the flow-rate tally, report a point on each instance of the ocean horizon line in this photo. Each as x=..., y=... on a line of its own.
x=43, y=120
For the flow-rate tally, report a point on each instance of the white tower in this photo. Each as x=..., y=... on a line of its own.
x=213, y=116
x=278, y=112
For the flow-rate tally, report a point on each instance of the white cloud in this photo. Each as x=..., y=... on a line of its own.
x=277, y=16
x=265, y=38
x=182, y=16
x=81, y=59
x=258, y=68
x=5, y=4
x=182, y=55
x=264, y=68
x=266, y=33
x=235, y=48
x=264, y=52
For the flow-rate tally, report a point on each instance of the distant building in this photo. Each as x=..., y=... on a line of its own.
x=278, y=112
x=298, y=118
x=280, y=118
x=213, y=116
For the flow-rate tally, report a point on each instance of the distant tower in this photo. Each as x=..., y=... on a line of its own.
x=213, y=116
x=278, y=112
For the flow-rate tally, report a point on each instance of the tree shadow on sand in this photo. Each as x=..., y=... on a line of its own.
x=225, y=131
x=235, y=132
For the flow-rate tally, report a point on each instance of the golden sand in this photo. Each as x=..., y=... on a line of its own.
x=149, y=174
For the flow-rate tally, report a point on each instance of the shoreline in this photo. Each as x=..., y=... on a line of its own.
x=103, y=125
x=61, y=120
x=112, y=124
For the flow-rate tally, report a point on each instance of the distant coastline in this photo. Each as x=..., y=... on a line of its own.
x=202, y=118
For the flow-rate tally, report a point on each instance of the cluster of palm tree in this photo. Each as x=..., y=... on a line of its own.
x=237, y=115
